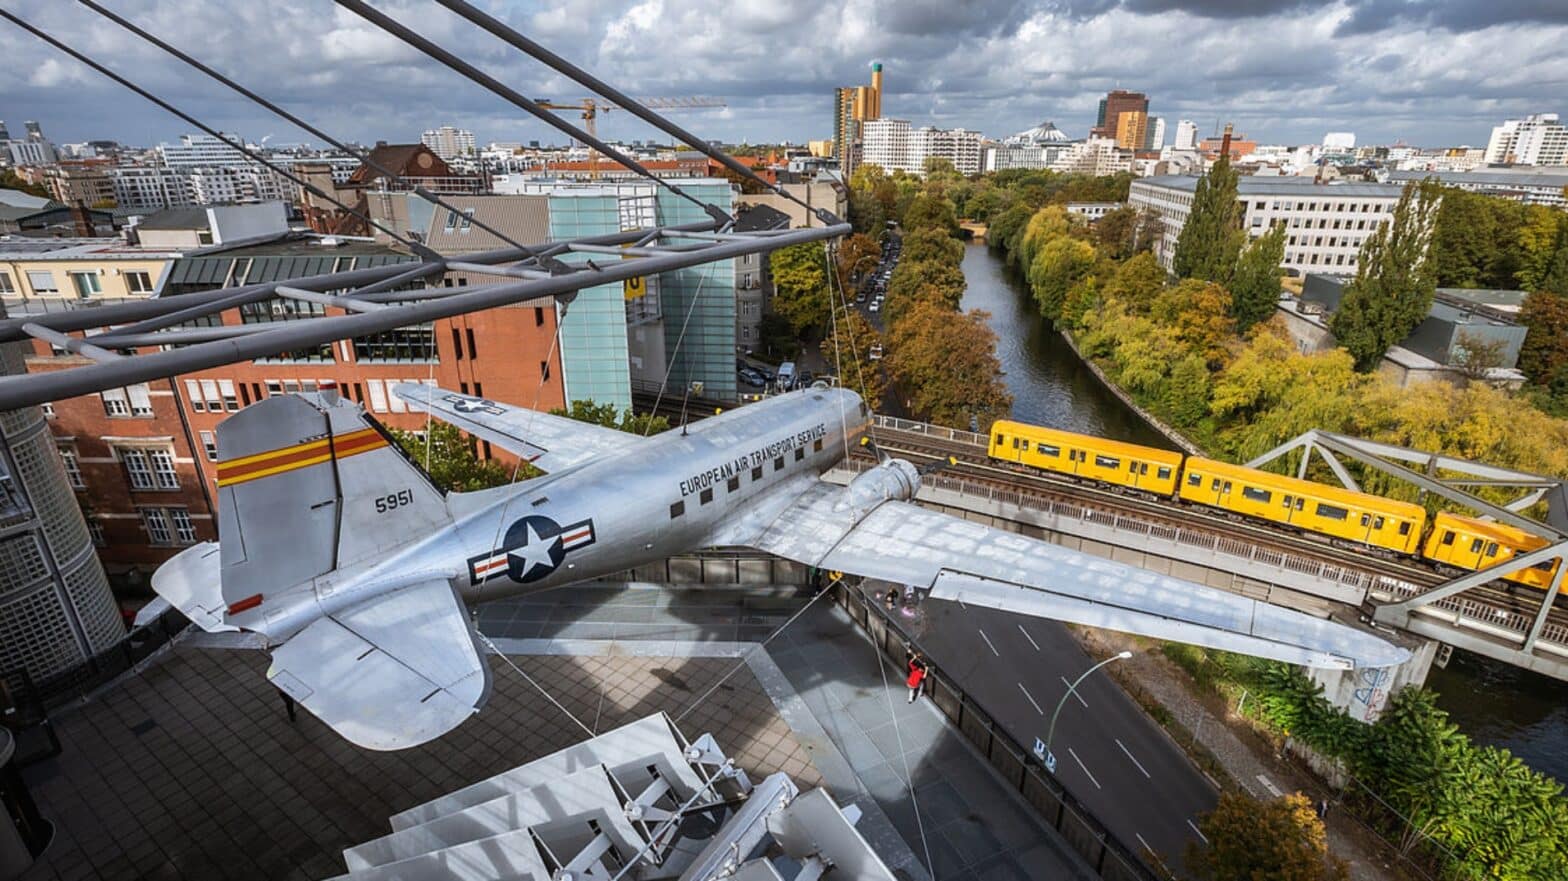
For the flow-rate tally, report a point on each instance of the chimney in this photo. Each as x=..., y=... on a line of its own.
x=83, y=219
x=1225, y=142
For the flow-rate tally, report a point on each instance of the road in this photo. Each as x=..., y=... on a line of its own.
x=1110, y=755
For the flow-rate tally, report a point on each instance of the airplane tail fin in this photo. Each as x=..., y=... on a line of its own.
x=307, y=484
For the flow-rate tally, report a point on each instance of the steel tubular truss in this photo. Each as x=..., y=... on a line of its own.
x=1452, y=478
x=121, y=349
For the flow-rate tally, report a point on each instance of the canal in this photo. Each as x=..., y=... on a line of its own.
x=1494, y=703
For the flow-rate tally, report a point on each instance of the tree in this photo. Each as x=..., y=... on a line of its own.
x=1394, y=284
x=1115, y=233
x=1538, y=241
x=930, y=211
x=1137, y=282
x=1476, y=356
x=1056, y=268
x=800, y=285
x=605, y=415
x=946, y=364
x=1211, y=238
x=857, y=254
x=1278, y=840
x=848, y=350
x=1045, y=226
x=1006, y=227
x=929, y=243
x=1255, y=288
x=1464, y=240
x=1199, y=314
x=10, y=180
x=447, y=455
x=1545, y=347
x=923, y=279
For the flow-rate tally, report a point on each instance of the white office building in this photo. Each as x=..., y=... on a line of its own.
x=1186, y=135
x=31, y=152
x=449, y=143
x=1156, y=133
x=895, y=146
x=199, y=150
x=1528, y=185
x=1538, y=139
x=149, y=187
x=1326, y=223
x=1094, y=156
x=1339, y=142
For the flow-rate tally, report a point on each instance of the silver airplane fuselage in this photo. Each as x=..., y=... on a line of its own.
x=670, y=494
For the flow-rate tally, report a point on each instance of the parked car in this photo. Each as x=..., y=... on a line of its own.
x=876, y=306
x=751, y=377
x=805, y=379
x=786, y=376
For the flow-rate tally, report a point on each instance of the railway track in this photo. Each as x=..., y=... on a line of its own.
x=974, y=465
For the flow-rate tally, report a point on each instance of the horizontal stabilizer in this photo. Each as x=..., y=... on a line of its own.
x=392, y=672
x=190, y=582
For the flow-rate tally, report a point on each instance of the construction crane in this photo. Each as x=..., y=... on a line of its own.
x=590, y=108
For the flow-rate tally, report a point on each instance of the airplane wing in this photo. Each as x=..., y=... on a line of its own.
x=958, y=560
x=552, y=443
x=392, y=672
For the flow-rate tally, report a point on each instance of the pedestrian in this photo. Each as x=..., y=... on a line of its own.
x=891, y=599
x=1322, y=808
x=917, y=676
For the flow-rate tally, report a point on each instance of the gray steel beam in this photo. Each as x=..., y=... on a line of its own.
x=1338, y=469
x=35, y=388
x=1546, y=607
x=70, y=343
x=509, y=271
x=1297, y=441
x=1527, y=499
x=1398, y=612
x=1447, y=463
x=340, y=301
x=184, y=336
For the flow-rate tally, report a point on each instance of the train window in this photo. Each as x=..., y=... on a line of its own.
x=1257, y=495
x=816, y=446
x=1047, y=449
x=677, y=509
x=1377, y=523
x=778, y=464
x=1288, y=500
x=1366, y=519
x=1195, y=480
x=705, y=496
x=1404, y=528
x=1546, y=566
x=1107, y=462
x=1000, y=438
x=1227, y=486
x=1475, y=546
x=1163, y=474
x=1143, y=467
x=1216, y=484
x=1020, y=443
x=1332, y=512
x=1448, y=537
x=1491, y=549
x=1300, y=503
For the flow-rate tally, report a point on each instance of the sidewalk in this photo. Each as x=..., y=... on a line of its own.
x=1242, y=755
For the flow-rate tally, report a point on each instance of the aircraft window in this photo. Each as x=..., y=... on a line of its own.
x=1404, y=528
x=816, y=446
x=1257, y=495
x=800, y=453
x=1195, y=480
x=1048, y=449
x=1163, y=473
x=1333, y=512
x=1448, y=537
x=756, y=473
x=1107, y=462
x=706, y=496
x=677, y=509
x=734, y=484
x=778, y=464
x=1491, y=549
x=1475, y=546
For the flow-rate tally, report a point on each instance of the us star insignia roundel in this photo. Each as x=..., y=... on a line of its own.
x=534, y=547
x=465, y=404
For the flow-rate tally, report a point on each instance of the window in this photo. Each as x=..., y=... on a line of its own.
x=1195, y=480
x=95, y=529
x=473, y=351
x=816, y=446
x=157, y=524
x=1448, y=537
x=800, y=453
x=1257, y=495
x=677, y=509
x=41, y=281
x=400, y=345
x=1214, y=484
x=778, y=464
x=1491, y=549
x=231, y=402
x=378, y=396
x=538, y=316
x=1332, y=512
x=1366, y=519
x=137, y=468
x=85, y=283
x=733, y=484
x=544, y=371
x=6, y=286
x=1048, y=450
x=1475, y=546
x=1377, y=522
x=138, y=282
x=1107, y=462
x=1020, y=443
x=129, y=401
x=209, y=445
x=1404, y=528
x=705, y=496
x=163, y=469
x=1164, y=473
x=1001, y=439
x=756, y=473
x=184, y=529
x=193, y=394
x=73, y=471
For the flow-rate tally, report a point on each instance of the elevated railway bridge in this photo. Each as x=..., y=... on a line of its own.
x=1423, y=607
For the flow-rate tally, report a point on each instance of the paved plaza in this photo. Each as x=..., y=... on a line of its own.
x=191, y=769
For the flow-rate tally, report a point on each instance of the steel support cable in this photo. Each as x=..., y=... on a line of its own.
x=509, y=35
x=430, y=48
x=361, y=155
x=416, y=247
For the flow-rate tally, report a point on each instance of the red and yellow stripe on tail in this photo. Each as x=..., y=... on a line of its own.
x=254, y=467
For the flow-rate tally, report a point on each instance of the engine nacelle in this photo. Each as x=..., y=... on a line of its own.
x=893, y=480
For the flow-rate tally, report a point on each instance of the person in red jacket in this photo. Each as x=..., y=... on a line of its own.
x=917, y=675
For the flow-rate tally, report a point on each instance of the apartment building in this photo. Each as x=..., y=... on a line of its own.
x=1327, y=223
x=1538, y=139
x=1532, y=186
x=895, y=146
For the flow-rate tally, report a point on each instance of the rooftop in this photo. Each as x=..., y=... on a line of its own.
x=1497, y=177
x=24, y=248
x=1280, y=186
x=186, y=217
x=19, y=199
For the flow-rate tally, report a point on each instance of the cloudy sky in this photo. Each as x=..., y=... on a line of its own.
x=1430, y=73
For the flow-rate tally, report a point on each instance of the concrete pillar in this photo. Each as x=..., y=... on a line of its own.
x=1364, y=693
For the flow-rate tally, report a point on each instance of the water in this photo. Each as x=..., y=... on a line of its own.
x=1494, y=703
x=1050, y=385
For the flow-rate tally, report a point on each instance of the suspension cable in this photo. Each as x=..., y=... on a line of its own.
x=631, y=105
x=416, y=247
x=533, y=682
x=679, y=339
x=363, y=156
x=428, y=47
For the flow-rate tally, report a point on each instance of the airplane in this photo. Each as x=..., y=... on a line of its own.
x=356, y=571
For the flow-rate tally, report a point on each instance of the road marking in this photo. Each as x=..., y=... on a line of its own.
x=1129, y=755
x=1031, y=699
x=1028, y=637
x=1269, y=785
x=1199, y=831
x=1085, y=770
x=1074, y=692
x=988, y=642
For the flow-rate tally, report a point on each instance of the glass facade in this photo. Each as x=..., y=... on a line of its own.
x=702, y=300
x=593, y=333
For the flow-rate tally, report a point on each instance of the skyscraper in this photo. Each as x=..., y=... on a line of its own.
x=1115, y=103
x=4, y=134
x=1186, y=135
x=853, y=105
x=448, y=142
x=1156, y=138
x=1132, y=129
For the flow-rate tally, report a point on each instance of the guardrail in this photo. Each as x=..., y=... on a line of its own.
x=18, y=690
x=1108, y=856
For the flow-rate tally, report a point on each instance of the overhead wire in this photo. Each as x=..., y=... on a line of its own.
x=416, y=247
x=364, y=157
x=435, y=51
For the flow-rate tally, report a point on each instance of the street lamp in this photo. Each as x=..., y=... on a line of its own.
x=1049, y=758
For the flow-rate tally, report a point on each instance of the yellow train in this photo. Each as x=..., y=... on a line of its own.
x=1362, y=518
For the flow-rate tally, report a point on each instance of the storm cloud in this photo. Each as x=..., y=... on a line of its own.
x=1436, y=73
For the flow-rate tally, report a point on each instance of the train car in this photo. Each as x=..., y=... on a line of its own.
x=1468, y=543
x=1314, y=507
x=1064, y=452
